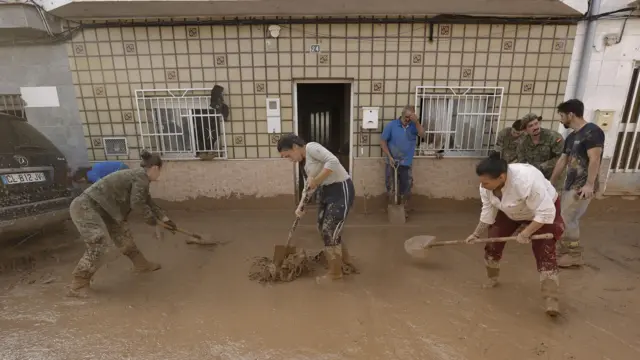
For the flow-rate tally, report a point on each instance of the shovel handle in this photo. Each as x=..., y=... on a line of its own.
x=306, y=197
x=183, y=231
x=491, y=240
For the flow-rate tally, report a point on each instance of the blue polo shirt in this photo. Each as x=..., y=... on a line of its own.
x=401, y=140
x=102, y=169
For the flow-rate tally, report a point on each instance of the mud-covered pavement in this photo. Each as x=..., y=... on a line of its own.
x=201, y=305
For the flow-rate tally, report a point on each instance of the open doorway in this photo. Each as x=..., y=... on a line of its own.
x=324, y=116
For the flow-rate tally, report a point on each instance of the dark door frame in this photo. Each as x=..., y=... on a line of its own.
x=351, y=84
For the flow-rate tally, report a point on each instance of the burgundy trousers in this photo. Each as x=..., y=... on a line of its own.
x=543, y=250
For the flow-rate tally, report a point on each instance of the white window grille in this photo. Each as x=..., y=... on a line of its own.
x=12, y=104
x=626, y=158
x=459, y=121
x=178, y=123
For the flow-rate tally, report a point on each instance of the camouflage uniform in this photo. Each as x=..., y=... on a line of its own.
x=545, y=154
x=507, y=145
x=100, y=214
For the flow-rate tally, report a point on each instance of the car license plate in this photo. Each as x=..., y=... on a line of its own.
x=23, y=178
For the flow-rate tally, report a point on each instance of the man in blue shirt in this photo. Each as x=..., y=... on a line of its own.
x=398, y=143
x=97, y=171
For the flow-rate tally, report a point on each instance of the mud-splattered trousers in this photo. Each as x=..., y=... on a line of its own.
x=335, y=202
x=96, y=228
x=543, y=250
x=573, y=208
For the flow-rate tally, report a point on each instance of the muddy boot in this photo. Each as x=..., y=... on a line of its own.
x=493, y=272
x=79, y=286
x=334, y=260
x=549, y=289
x=347, y=264
x=140, y=263
x=570, y=260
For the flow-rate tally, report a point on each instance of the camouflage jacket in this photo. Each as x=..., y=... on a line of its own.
x=122, y=191
x=507, y=145
x=544, y=154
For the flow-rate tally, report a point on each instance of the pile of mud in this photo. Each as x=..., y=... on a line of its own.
x=300, y=264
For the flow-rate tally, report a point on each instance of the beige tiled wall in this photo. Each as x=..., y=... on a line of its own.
x=385, y=61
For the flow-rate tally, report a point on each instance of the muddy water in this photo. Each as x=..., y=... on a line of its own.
x=202, y=306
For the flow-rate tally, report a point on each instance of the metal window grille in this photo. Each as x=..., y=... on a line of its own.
x=178, y=123
x=12, y=104
x=320, y=127
x=461, y=121
x=626, y=157
x=115, y=146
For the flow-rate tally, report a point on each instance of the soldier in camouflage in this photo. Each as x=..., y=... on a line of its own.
x=100, y=213
x=539, y=147
x=508, y=140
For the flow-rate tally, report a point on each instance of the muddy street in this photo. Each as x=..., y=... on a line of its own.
x=201, y=305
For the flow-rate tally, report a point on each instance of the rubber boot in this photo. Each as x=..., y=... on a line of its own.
x=347, y=267
x=140, y=263
x=79, y=286
x=549, y=289
x=493, y=273
x=334, y=260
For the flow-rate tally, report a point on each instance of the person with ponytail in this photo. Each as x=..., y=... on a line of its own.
x=329, y=178
x=517, y=198
x=100, y=214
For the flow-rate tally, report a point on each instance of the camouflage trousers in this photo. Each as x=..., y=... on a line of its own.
x=573, y=208
x=543, y=250
x=96, y=229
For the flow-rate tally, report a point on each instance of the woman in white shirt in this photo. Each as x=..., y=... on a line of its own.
x=326, y=175
x=518, y=197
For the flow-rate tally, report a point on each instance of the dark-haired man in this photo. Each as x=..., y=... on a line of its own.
x=582, y=156
x=507, y=141
x=539, y=147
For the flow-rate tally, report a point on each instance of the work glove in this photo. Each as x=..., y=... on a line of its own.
x=471, y=238
x=171, y=226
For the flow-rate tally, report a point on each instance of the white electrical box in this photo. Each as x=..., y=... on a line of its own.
x=273, y=116
x=370, y=117
x=604, y=118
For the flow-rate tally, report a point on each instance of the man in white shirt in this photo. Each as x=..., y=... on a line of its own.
x=515, y=196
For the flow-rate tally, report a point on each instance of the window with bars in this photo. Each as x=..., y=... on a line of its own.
x=458, y=121
x=626, y=157
x=12, y=104
x=181, y=126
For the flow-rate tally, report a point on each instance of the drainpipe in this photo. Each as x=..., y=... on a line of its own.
x=580, y=77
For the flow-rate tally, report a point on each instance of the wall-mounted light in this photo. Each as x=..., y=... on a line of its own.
x=274, y=30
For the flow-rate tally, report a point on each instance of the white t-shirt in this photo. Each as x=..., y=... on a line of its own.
x=526, y=196
x=318, y=158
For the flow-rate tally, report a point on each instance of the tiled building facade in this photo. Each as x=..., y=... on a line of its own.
x=383, y=62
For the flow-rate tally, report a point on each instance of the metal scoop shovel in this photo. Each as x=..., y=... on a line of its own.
x=418, y=246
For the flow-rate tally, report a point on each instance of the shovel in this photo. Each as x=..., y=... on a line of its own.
x=193, y=238
x=418, y=246
x=395, y=211
x=280, y=252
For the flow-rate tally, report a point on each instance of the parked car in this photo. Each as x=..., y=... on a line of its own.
x=35, y=180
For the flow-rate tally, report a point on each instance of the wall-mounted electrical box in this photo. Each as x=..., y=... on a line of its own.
x=273, y=116
x=604, y=118
x=370, y=118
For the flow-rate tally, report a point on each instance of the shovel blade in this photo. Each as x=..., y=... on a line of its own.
x=396, y=214
x=280, y=252
x=418, y=246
